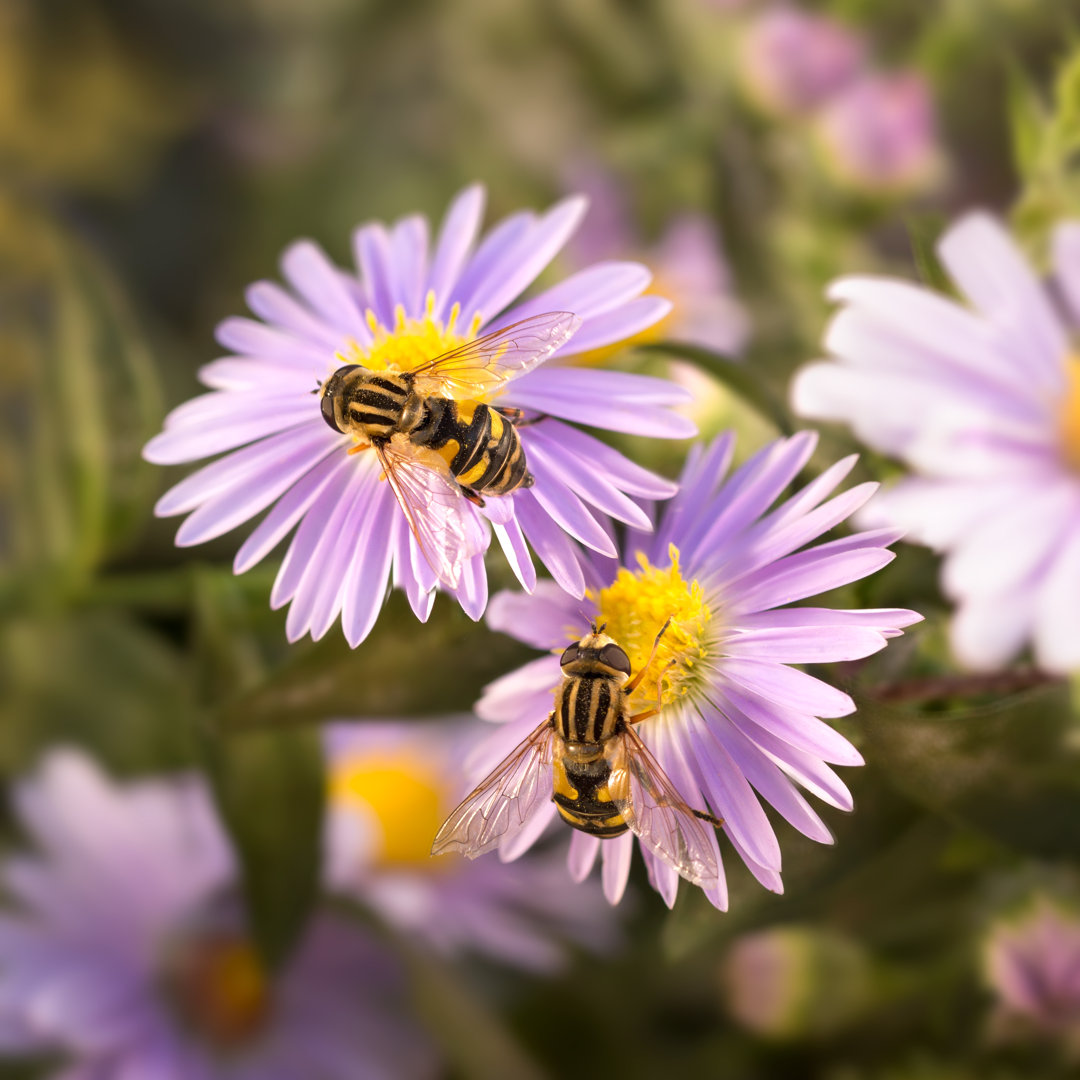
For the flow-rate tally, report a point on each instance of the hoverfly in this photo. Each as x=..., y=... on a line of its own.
x=436, y=442
x=603, y=779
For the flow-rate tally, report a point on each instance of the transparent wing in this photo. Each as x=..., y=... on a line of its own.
x=656, y=813
x=480, y=367
x=446, y=530
x=503, y=801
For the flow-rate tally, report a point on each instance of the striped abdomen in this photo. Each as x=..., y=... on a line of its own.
x=581, y=794
x=479, y=444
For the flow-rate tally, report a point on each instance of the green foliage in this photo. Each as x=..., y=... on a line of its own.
x=270, y=791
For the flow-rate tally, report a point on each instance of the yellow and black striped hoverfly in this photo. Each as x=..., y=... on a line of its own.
x=437, y=442
x=603, y=779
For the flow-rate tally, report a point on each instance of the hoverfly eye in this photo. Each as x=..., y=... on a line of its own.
x=327, y=404
x=613, y=656
x=570, y=654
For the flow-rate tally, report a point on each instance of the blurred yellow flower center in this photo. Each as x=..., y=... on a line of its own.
x=656, y=332
x=634, y=607
x=1070, y=413
x=410, y=342
x=407, y=796
x=222, y=989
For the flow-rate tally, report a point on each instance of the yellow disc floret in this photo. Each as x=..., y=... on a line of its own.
x=634, y=607
x=1070, y=413
x=409, y=342
x=406, y=795
x=222, y=989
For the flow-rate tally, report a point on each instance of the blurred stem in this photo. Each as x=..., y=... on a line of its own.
x=941, y=687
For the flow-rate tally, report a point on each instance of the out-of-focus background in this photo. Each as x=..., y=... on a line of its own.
x=157, y=156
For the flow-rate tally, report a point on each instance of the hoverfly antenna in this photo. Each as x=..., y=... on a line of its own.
x=598, y=628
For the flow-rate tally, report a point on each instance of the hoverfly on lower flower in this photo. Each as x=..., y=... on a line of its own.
x=437, y=442
x=602, y=777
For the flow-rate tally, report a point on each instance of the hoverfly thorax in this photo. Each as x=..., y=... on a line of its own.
x=366, y=404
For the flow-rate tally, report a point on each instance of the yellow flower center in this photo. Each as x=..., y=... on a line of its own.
x=1070, y=413
x=409, y=342
x=405, y=794
x=634, y=607
x=222, y=989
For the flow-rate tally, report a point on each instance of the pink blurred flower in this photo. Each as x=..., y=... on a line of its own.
x=688, y=265
x=792, y=62
x=880, y=134
x=1033, y=966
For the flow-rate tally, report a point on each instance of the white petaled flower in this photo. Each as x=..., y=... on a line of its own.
x=408, y=303
x=127, y=954
x=391, y=785
x=982, y=402
x=738, y=723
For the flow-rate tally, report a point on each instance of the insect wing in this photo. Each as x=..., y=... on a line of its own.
x=502, y=803
x=656, y=813
x=446, y=530
x=478, y=368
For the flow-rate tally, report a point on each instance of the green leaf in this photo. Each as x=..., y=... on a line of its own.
x=923, y=233
x=100, y=680
x=398, y=671
x=1028, y=121
x=1009, y=769
x=744, y=379
x=270, y=789
x=471, y=1038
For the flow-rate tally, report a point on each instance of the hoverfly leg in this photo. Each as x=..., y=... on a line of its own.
x=518, y=417
x=475, y=499
x=632, y=685
x=638, y=717
x=714, y=821
x=358, y=448
x=514, y=415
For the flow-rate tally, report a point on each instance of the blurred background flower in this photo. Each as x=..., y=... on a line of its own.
x=127, y=953
x=391, y=787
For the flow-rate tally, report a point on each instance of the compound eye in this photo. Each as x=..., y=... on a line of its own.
x=570, y=654
x=327, y=404
x=615, y=657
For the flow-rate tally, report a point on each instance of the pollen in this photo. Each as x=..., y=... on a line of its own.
x=404, y=794
x=1070, y=413
x=410, y=342
x=635, y=606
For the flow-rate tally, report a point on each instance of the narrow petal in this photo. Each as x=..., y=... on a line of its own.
x=615, y=872
x=582, y=855
x=456, y=238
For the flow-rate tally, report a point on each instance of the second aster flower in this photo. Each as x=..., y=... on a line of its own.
x=407, y=305
x=739, y=723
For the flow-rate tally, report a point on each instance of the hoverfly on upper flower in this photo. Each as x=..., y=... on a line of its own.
x=438, y=442
x=601, y=776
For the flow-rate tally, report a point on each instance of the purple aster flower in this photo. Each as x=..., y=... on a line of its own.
x=983, y=405
x=391, y=785
x=739, y=723
x=688, y=265
x=406, y=305
x=126, y=952
x=880, y=134
x=1032, y=963
x=792, y=62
